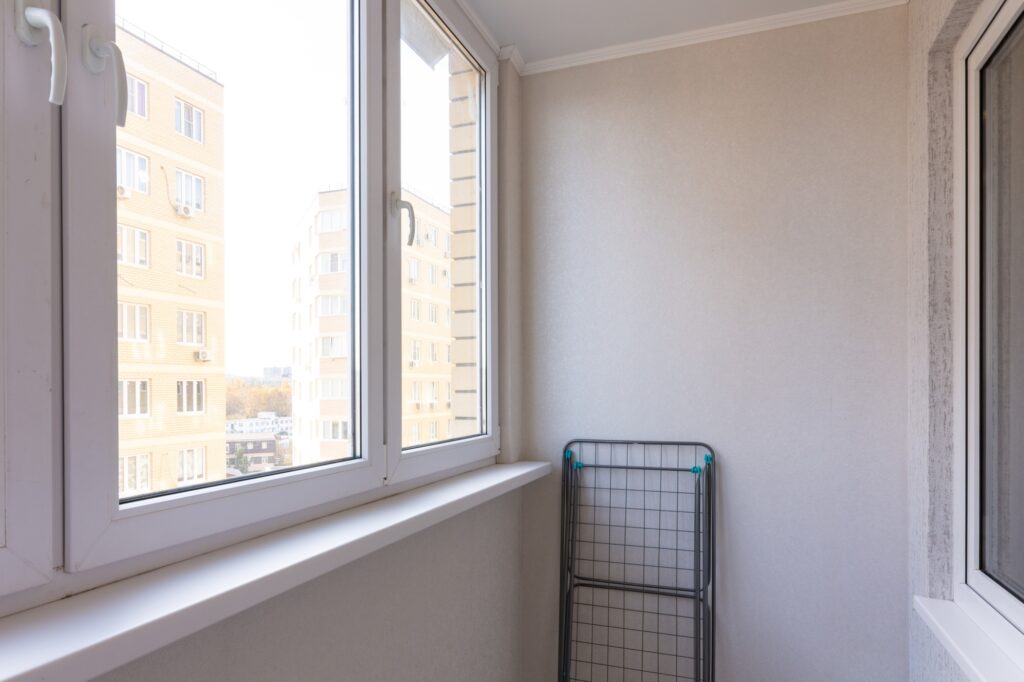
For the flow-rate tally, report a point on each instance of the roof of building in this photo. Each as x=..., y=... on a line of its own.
x=265, y=435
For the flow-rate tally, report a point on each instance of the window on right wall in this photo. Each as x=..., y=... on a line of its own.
x=990, y=468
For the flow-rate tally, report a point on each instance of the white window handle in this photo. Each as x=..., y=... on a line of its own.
x=29, y=24
x=95, y=53
x=397, y=204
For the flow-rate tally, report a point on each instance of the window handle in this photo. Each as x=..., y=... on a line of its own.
x=29, y=24
x=95, y=53
x=397, y=204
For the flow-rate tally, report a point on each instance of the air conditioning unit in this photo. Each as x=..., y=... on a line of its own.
x=416, y=404
x=123, y=192
x=414, y=363
x=433, y=404
x=412, y=279
x=448, y=404
x=184, y=210
x=203, y=355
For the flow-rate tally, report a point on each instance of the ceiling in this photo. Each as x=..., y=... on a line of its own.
x=548, y=30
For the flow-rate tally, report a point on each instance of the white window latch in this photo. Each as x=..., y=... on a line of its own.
x=95, y=53
x=397, y=204
x=29, y=24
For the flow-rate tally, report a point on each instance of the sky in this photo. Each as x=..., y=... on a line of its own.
x=286, y=130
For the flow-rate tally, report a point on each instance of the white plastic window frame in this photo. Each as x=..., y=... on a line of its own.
x=998, y=612
x=103, y=535
x=29, y=343
x=420, y=460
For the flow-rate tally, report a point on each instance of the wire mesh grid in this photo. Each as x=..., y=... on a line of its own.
x=636, y=562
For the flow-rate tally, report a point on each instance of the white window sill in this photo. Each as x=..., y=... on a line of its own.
x=96, y=631
x=980, y=657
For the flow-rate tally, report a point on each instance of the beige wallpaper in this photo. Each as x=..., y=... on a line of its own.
x=714, y=247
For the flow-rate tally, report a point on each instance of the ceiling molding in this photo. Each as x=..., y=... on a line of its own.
x=705, y=35
x=511, y=53
x=477, y=22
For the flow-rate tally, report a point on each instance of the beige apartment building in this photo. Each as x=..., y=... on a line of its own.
x=322, y=331
x=440, y=290
x=170, y=253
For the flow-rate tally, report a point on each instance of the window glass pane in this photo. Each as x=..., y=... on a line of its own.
x=1002, y=315
x=441, y=109
x=220, y=203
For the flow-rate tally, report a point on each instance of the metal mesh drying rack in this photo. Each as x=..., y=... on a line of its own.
x=637, y=564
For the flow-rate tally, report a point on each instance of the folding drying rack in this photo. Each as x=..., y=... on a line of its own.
x=637, y=565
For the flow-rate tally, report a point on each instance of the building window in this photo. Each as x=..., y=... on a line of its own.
x=433, y=431
x=415, y=352
x=433, y=274
x=331, y=263
x=333, y=346
x=133, y=474
x=433, y=352
x=447, y=245
x=132, y=171
x=330, y=306
x=132, y=321
x=990, y=311
x=332, y=389
x=191, y=328
x=414, y=309
x=1001, y=324
x=188, y=191
x=334, y=429
x=432, y=313
x=188, y=120
x=191, y=465
x=415, y=391
x=132, y=246
x=133, y=397
x=138, y=96
x=191, y=396
x=414, y=269
x=191, y=259
x=330, y=221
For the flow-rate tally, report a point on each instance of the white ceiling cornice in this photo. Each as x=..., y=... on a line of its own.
x=839, y=9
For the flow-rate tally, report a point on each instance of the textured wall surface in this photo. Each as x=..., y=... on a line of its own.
x=441, y=606
x=934, y=28
x=715, y=247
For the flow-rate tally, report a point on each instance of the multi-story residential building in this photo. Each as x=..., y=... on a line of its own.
x=427, y=318
x=440, y=290
x=321, y=373
x=170, y=255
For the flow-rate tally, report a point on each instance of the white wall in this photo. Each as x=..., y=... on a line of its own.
x=714, y=247
x=441, y=606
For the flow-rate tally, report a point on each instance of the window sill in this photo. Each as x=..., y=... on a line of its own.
x=977, y=653
x=96, y=631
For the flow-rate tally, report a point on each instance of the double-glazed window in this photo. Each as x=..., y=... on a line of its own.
x=189, y=191
x=133, y=397
x=990, y=561
x=191, y=258
x=191, y=396
x=132, y=246
x=191, y=327
x=132, y=172
x=188, y=120
x=132, y=321
x=138, y=96
x=216, y=269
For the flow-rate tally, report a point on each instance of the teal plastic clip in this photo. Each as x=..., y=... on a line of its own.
x=707, y=458
x=696, y=470
x=578, y=465
x=568, y=454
